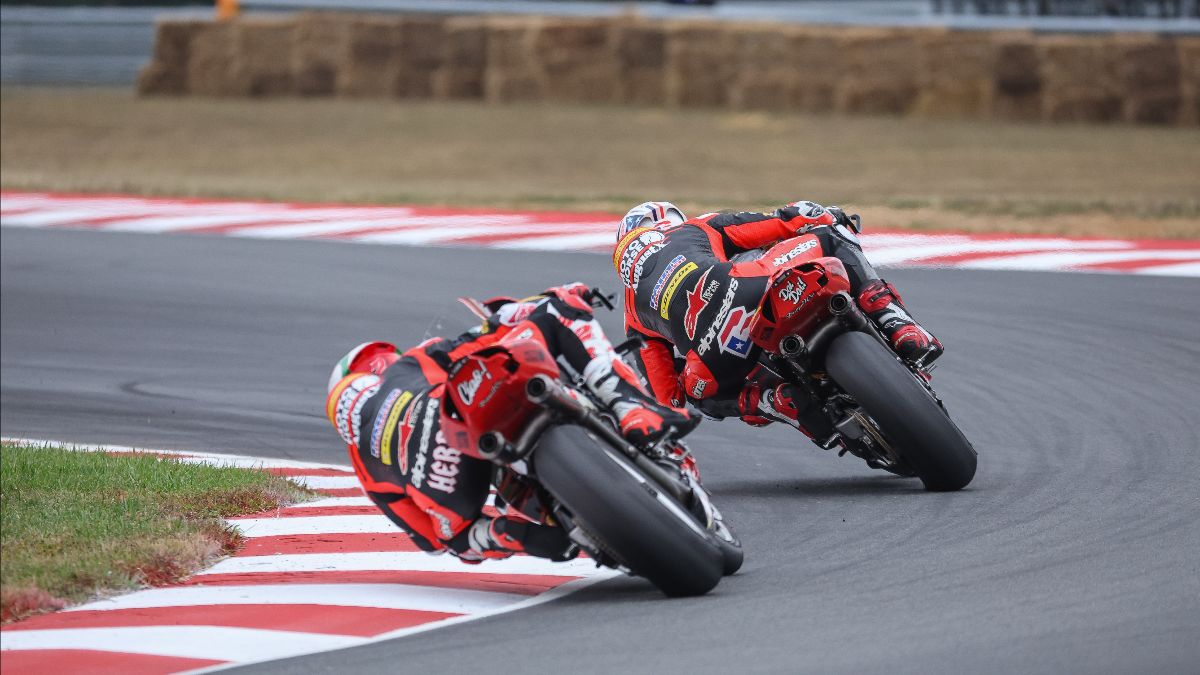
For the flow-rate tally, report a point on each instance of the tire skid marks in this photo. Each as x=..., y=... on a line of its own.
x=558, y=231
x=326, y=574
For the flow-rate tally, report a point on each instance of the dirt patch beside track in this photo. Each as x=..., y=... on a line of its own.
x=1064, y=179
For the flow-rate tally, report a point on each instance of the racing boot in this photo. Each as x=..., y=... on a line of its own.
x=643, y=421
x=761, y=406
x=883, y=305
x=493, y=538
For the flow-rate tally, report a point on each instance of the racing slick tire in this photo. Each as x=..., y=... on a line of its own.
x=626, y=514
x=905, y=410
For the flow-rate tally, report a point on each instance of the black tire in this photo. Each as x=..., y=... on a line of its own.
x=625, y=513
x=906, y=412
x=731, y=556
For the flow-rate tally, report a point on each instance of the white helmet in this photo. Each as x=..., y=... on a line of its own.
x=650, y=214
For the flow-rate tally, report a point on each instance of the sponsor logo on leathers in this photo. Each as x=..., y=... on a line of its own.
x=662, y=280
x=350, y=403
x=797, y=250
x=442, y=471
x=698, y=299
x=665, y=310
x=428, y=422
x=639, y=246
x=389, y=427
x=406, y=433
x=381, y=420
x=735, y=336
x=719, y=319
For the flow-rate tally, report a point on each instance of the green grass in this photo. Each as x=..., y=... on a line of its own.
x=77, y=524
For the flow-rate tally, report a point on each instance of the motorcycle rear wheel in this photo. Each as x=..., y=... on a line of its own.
x=626, y=514
x=905, y=411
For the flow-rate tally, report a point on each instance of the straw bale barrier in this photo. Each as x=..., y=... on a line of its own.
x=928, y=73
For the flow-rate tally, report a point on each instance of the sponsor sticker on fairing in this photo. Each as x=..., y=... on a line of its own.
x=735, y=335
x=797, y=250
x=669, y=294
x=468, y=389
x=662, y=279
x=719, y=319
x=793, y=291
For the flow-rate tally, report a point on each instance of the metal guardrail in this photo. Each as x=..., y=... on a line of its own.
x=1158, y=9
x=79, y=45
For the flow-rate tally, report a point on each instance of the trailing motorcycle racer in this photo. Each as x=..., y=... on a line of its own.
x=388, y=407
x=687, y=292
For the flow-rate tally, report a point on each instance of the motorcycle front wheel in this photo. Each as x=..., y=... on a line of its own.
x=626, y=514
x=905, y=411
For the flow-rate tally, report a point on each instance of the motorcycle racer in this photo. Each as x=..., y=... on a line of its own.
x=707, y=319
x=388, y=407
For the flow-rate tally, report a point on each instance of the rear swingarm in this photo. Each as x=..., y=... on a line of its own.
x=557, y=402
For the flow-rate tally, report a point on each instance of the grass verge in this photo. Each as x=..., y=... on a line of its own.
x=922, y=174
x=77, y=524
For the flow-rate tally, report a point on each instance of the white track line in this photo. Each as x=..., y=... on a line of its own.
x=274, y=527
x=384, y=596
x=196, y=642
x=414, y=561
x=333, y=502
x=1067, y=259
x=1179, y=270
x=891, y=255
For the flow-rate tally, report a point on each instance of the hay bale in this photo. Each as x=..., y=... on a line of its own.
x=1080, y=80
x=641, y=54
x=210, y=66
x=701, y=62
x=166, y=73
x=578, y=58
x=263, y=58
x=422, y=51
x=1189, y=79
x=319, y=47
x=371, y=61
x=465, y=58
x=1016, y=79
x=1148, y=72
x=881, y=67
x=955, y=74
x=764, y=74
x=512, y=72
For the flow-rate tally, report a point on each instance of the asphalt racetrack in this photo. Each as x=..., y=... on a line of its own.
x=1076, y=549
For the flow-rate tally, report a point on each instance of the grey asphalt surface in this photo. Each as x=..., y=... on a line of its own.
x=1076, y=549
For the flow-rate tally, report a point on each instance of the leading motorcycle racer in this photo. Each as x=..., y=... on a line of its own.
x=707, y=319
x=387, y=406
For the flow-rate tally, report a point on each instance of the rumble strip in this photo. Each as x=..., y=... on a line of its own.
x=326, y=574
x=558, y=231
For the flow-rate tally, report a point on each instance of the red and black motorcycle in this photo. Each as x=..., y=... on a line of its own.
x=561, y=461
x=881, y=407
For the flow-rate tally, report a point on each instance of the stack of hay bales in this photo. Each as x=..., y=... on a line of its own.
x=934, y=73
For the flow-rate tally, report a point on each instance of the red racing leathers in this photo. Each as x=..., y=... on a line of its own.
x=685, y=292
x=391, y=422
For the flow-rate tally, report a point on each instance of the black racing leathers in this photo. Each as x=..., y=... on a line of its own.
x=686, y=292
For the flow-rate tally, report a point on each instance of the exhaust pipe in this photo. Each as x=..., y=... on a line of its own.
x=791, y=346
x=840, y=304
